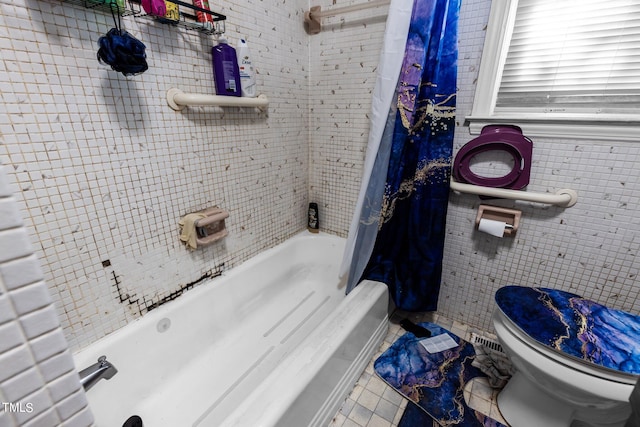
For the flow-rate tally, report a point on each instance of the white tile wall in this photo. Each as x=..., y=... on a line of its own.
x=104, y=169
x=344, y=60
x=39, y=385
x=590, y=249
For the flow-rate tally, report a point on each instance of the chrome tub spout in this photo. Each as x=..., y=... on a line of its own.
x=94, y=373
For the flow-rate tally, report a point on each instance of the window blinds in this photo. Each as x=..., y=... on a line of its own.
x=573, y=56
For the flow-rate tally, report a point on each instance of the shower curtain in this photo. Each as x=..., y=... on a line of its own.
x=398, y=229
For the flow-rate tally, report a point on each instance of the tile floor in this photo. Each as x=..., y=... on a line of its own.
x=373, y=403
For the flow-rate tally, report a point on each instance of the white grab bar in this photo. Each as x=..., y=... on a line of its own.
x=177, y=100
x=347, y=9
x=564, y=197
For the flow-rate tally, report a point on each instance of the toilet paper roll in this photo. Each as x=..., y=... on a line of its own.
x=493, y=227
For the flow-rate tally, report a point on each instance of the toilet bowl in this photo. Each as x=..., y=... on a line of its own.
x=576, y=361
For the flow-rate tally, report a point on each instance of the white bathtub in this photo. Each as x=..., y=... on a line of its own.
x=272, y=342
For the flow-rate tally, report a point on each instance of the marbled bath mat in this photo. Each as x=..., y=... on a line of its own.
x=434, y=382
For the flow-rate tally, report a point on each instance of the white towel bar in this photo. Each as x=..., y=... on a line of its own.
x=177, y=100
x=313, y=16
x=565, y=197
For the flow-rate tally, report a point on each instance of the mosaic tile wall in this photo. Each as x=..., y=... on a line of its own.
x=590, y=249
x=344, y=60
x=39, y=385
x=104, y=169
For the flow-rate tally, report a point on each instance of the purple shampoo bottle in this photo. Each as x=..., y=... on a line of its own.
x=225, y=69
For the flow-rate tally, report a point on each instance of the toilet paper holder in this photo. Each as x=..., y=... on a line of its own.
x=511, y=217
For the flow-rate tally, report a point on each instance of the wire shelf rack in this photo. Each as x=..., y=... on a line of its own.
x=186, y=20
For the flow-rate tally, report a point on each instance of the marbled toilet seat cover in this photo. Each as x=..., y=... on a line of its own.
x=575, y=326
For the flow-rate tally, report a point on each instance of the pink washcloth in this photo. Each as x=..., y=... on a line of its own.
x=154, y=7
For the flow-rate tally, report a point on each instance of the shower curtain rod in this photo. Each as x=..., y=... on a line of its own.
x=315, y=14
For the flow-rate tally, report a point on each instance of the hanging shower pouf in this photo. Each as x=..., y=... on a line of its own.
x=123, y=52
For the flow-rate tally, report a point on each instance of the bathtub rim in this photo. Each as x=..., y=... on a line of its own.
x=268, y=415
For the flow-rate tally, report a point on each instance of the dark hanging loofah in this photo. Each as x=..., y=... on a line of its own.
x=123, y=52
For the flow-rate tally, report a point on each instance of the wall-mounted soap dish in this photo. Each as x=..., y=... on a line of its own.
x=203, y=227
x=212, y=227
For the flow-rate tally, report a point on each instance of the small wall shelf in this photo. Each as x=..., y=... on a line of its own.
x=184, y=20
x=177, y=100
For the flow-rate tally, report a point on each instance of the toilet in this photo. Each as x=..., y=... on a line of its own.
x=576, y=361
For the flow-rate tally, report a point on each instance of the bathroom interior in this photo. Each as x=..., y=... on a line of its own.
x=96, y=170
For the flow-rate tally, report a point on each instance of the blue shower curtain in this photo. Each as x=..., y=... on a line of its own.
x=405, y=204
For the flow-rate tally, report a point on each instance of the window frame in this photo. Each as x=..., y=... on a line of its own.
x=617, y=127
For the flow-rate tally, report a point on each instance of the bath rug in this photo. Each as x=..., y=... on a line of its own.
x=432, y=382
